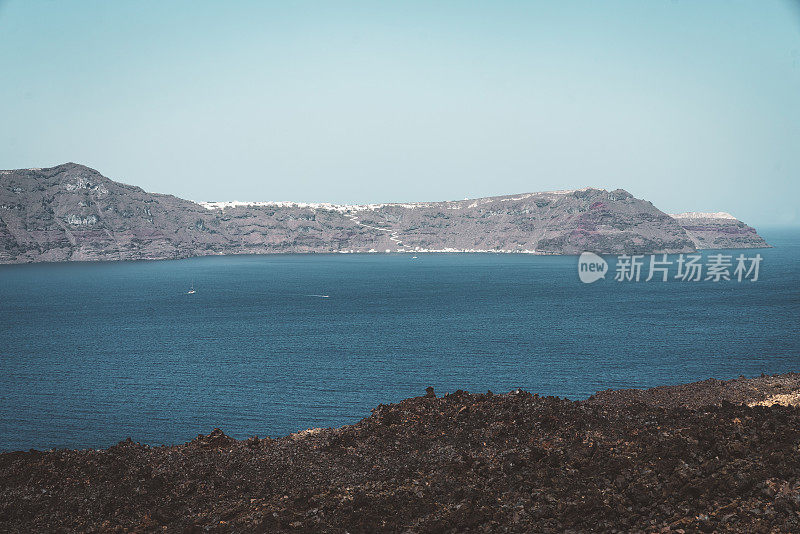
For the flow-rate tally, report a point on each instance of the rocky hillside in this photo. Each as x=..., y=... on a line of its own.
x=693, y=458
x=71, y=212
x=719, y=230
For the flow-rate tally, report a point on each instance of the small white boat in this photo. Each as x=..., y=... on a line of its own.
x=191, y=291
x=413, y=257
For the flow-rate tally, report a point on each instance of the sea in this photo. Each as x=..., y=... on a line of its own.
x=94, y=353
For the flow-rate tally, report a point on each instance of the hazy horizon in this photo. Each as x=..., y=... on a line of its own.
x=692, y=106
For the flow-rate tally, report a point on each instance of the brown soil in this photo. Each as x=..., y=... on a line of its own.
x=694, y=458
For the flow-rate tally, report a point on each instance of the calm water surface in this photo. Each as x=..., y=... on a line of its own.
x=91, y=353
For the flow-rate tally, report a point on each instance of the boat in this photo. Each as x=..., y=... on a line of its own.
x=191, y=290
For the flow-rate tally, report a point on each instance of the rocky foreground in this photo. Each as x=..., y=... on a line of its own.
x=688, y=458
x=74, y=213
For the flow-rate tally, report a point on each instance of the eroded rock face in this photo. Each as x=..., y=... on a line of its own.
x=719, y=230
x=71, y=212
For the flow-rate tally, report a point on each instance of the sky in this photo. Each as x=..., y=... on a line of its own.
x=692, y=105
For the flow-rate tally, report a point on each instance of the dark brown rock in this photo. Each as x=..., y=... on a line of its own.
x=660, y=460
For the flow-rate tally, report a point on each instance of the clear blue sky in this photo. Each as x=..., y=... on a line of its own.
x=694, y=105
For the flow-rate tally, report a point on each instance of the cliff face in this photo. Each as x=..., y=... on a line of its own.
x=719, y=230
x=71, y=212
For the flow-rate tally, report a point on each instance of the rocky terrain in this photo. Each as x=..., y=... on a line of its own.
x=718, y=230
x=691, y=458
x=73, y=213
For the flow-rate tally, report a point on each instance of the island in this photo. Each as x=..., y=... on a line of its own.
x=73, y=213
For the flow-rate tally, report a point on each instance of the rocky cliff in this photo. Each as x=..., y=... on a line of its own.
x=72, y=212
x=719, y=230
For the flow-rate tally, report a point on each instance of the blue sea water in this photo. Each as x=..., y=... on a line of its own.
x=91, y=353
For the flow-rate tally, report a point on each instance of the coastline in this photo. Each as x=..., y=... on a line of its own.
x=72, y=212
x=111, y=260
x=702, y=456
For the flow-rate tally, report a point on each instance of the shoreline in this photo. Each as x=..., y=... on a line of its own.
x=107, y=260
x=702, y=456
